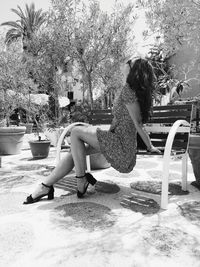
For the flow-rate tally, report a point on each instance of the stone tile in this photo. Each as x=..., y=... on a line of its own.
x=16, y=239
x=11, y=203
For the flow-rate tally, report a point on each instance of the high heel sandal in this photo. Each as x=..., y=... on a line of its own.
x=50, y=194
x=90, y=180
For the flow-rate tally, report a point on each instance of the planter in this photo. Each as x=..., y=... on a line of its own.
x=11, y=140
x=40, y=149
x=53, y=134
x=194, y=154
x=29, y=127
x=98, y=161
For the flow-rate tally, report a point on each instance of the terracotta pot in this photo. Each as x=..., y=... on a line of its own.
x=194, y=154
x=11, y=140
x=40, y=149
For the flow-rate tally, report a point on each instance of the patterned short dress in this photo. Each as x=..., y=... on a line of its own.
x=118, y=144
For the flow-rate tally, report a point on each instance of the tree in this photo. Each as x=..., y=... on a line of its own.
x=50, y=54
x=95, y=38
x=29, y=22
x=15, y=82
x=175, y=24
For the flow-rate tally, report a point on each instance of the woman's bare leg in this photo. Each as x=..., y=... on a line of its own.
x=79, y=136
x=64, y=167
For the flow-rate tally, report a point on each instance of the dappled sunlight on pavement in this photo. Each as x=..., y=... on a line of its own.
x=118, y=223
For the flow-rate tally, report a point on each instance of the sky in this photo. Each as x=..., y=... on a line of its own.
x=5, y=7
x=6, y=14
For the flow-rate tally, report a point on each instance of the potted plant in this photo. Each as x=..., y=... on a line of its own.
x=11, y=137
x=39, y=110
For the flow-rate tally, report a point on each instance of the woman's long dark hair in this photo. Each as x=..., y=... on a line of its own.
x=141, y=79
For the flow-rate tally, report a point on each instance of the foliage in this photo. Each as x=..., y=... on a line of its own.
x=82, y=111
x=96, y=40
x=38, y=70
x=43, y=68
x=15, y=82
x=25, y=28
x=175, y=24
x=40, y=117
x=75, y=36
x=163, y=71
x=166, y=81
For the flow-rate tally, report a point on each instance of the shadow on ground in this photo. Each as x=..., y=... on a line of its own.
x=87, y=215
x=154, y=187
x=191, y=211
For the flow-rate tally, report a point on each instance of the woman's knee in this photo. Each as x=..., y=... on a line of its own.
x=76, y=132
x=85, y=134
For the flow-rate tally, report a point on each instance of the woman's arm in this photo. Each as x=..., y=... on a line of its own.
x=135, y=113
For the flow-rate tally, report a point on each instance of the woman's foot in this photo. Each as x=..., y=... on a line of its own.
x=41, y=191
x=83, y=182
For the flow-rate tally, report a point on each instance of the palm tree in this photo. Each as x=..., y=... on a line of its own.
x=29, y=23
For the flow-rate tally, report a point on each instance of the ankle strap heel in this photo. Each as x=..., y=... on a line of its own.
x=90, y=178
x=50, y=195
x=49, y=186
x=51, y=191
x=80, y=177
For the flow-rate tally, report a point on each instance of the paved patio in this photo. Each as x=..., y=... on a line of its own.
x=114, y=225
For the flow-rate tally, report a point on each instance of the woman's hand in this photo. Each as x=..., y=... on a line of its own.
x=153, y=149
